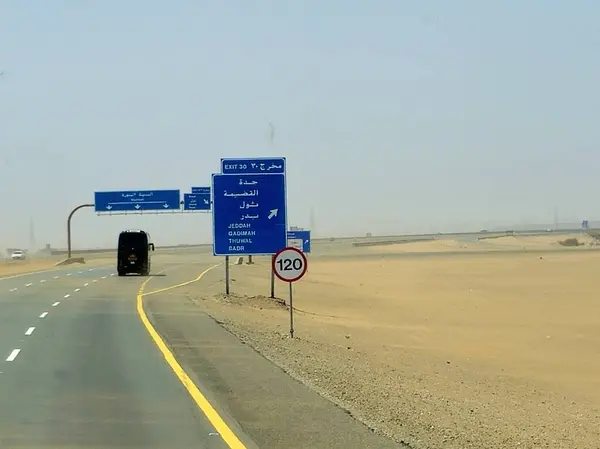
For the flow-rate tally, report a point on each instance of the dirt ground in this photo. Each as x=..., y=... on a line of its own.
x=11, y=268
x=8, y=268
x=468, y=351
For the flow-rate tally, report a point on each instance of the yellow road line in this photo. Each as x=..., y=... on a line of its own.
x=209, y=411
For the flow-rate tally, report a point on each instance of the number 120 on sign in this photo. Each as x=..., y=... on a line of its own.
x=289, y=264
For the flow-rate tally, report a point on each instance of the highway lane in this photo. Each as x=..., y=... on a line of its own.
x=21, y=281
x=25, y=301
x=89, y=375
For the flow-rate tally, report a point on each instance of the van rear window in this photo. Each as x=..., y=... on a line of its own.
x=133, y=240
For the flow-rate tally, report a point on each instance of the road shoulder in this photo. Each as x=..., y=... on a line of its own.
x=271, y=407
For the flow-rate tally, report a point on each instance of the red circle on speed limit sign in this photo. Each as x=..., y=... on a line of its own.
x=289, y=264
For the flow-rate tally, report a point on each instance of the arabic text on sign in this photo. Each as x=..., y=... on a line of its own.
x=245, y=205
x=263, y=167
x=248, y=183
x=245, y=193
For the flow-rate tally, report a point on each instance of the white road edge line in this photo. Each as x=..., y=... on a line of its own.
x=29, y=285
x=95, y=280
x=43, y=315
x=56, y=277
x=69, y=274
x=14, y=289
x=77, y=289
x=29, y=331
x=86, y=284
x=56, y=303
x=67, y=295
x=103, y=277
x=13, y=355
x=42, y=281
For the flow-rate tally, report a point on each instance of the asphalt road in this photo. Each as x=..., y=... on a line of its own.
x=78, y=368
x=273, y=409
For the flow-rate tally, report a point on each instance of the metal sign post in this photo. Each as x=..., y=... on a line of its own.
x=290, y=265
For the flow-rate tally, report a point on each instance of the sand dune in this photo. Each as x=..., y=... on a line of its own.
x=544, y=242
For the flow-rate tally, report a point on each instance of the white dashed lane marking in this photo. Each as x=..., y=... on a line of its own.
x=15, y=352
x=13, y=355
x=42, y=281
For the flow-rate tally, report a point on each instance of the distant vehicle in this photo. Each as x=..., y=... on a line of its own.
x=483, y=231
x=17, y=255
x=133, y=252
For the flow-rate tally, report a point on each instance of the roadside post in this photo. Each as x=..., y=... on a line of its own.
x=290, y=265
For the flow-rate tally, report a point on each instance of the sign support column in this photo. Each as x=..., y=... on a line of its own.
x=81, y=206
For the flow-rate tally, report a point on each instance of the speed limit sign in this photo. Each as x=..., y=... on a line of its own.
x=289, y=264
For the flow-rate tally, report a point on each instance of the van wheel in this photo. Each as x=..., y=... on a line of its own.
x=120, y=273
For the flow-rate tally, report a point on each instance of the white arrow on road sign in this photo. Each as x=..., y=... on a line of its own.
x=109, y=207
x=166, y=206
x=137, y=206
x=205, y=201
x=273, y=213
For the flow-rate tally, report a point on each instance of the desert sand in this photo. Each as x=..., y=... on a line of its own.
x=481, y=350
x=505, y=243
x=10, y=268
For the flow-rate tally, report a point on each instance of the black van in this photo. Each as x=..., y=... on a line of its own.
x=133, y=252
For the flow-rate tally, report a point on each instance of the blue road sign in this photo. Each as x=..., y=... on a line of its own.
x=249, y=214
x=201, y=190
x=196, y=201
x=137, y=200
x=300, y=240
x=259, y=165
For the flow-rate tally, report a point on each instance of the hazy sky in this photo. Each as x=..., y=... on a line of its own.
x=395, y=116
